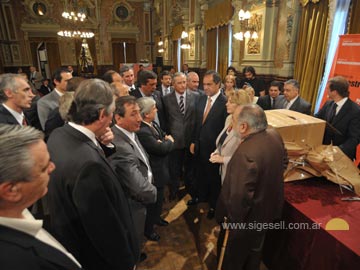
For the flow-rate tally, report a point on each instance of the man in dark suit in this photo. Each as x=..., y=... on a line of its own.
x=185, y=69
x=342, y=116
x=165, y=87
x=45, y=87
x=210, y=119
x=131, y=163
x=268, y=102
x=51, y=101
x=253, y=190
x=192, y=83
x=127, y=74
x=15, y=96
x=147, y=88
x=23, y=241
x=89, y=211
x=291, y=99
x=180, y=115
x=157, y=145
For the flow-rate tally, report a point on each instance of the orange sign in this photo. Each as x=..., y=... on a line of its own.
x=347, y=64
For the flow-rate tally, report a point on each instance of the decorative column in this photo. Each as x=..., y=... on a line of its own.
x=203, y=7
x=237, y=45
x=286, y=43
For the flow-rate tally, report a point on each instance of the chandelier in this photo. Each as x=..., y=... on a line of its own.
x=160, y=45
x=73, y=12
x=185, y=43
x=74, y=15
x=247, y=30
x=75, y=34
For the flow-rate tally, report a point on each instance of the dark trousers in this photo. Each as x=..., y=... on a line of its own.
x=240, y=256
x=208, y=182
x=154, y=211
x=181, y=167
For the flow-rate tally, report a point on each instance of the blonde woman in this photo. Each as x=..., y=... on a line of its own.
x=251, y=93
x=227, y=141
x=229, y=85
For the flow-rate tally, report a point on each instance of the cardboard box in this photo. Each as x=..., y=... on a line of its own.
x=304, y=130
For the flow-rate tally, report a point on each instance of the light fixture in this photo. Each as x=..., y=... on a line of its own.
x=184, y=34
x=74, y=16
x=160, y=45
x=75, y=34
x=73, y=12
x=247, y=30
x=185, y=45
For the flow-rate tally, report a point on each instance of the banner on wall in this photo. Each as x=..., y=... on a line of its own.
x=347, y=64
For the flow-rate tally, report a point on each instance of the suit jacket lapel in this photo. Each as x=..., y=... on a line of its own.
x=174, y=102
x=228, y=137
x=187, y=102
x=10, y=119
x=133, y=146
x=295, y=105
x=80, y=136
x=43, y=250
x=214, y=107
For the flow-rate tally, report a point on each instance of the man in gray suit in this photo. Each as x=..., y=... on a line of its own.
x=51, y=101
x=35, y=78
x=291, y=99
x=180, y=115
x=131, y=162
x=165, y=87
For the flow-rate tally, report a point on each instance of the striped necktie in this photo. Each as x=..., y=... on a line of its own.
x=181, y=105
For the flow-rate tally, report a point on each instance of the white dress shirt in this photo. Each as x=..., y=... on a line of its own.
x=28, y=224
x=18, y=116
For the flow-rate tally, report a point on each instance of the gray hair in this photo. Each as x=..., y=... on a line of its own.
x=65, y=104
x=90, y=97
x=254, y=116
x=294, y=83
x=190, y=75
x=145, y=104
x=178, y=74
x=16, y=162
x=8, y=81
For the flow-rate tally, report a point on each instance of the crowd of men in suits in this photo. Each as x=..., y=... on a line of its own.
x=121, y=142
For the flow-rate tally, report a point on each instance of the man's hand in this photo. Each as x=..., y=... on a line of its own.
x=107, y=137
x=169, y=137
x=192, y=148
x=216, y=158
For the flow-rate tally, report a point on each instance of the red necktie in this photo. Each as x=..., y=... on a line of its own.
x=24, y=123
